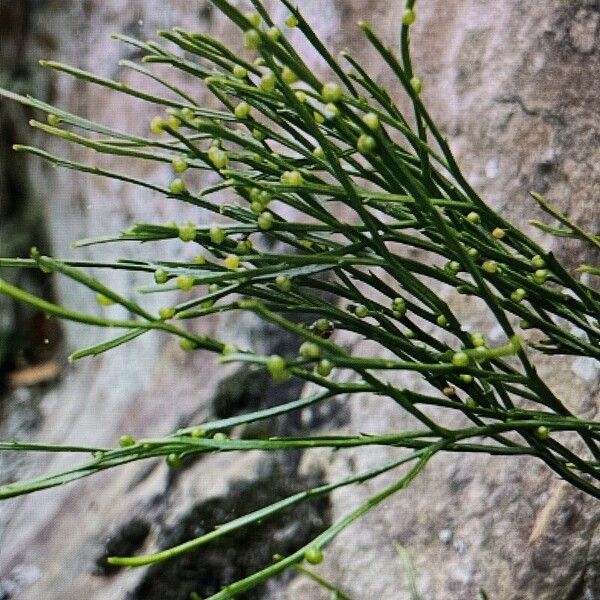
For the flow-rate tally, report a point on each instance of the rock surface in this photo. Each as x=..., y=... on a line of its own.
x=515, y=86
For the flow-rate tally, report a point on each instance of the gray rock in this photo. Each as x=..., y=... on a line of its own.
x=515, y=86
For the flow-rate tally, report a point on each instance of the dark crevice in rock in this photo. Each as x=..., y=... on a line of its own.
x=240, y=553
x=126, y=540
x=577, y=591
x=251, y=389
x=205, y=14
x=248, y=390
x=243, y=391
x=514, y=99
x=587, y=582
x=19, y=229
x=27, y=337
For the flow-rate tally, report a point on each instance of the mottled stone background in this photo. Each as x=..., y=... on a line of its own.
x=515, y=86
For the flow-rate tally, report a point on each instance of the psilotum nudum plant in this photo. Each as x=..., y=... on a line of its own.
x=335, y=189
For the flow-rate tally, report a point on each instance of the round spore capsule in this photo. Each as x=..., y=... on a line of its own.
x=277, y=367
x=331, y=92
x=288, y=75
x=187, y=233
x=177, y=186
x=283, y=282
x=371, y=120
x=217, y=235
x=292, y=21
x=309, y=350
x=324, y=368
x=416, y=84
x=126, y=441
x=242, y=110
x=265, y=220
x=232, y=262
x=185, y=282
x=179, y=165
x=252, y=39
x=361, y=311
x=366, y=144
x=239, y=72
x=313, y=555
x=161, y=276
x=460, y=359
x=409, y=16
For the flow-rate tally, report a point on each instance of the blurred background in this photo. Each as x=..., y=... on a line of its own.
x=515, y=87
